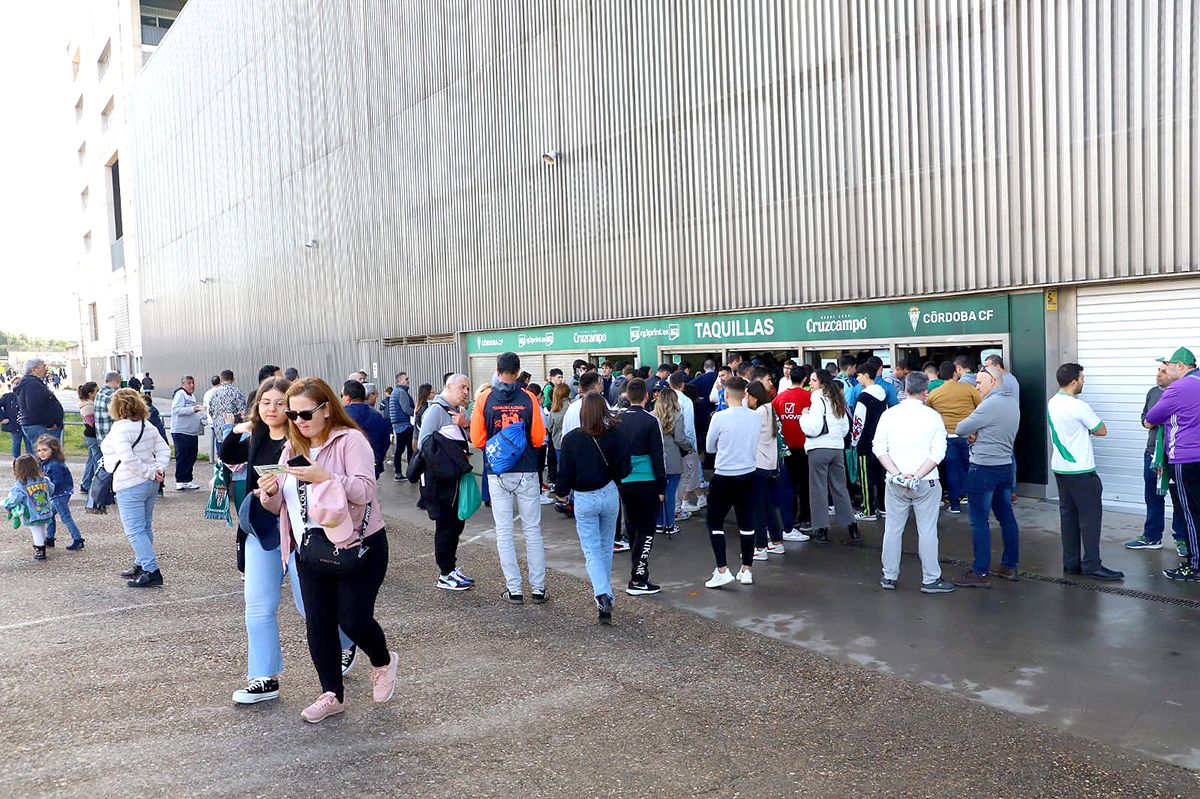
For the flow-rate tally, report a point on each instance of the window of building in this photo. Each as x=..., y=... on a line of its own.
x=79, y=108
x=82, y=153
x=75, y=64
x=114, y=223
x=102, y=61
x=106, y=114
x=93, y=322
x=83, y=197
x=87, y=241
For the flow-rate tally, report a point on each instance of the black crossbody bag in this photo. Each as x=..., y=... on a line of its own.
x=319, y=554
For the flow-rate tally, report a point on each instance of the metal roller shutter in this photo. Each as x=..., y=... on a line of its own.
x=482, y=369
x=1121, y=330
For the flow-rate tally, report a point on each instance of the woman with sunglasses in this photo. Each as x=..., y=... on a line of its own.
x=259, y=442
x=324, y=445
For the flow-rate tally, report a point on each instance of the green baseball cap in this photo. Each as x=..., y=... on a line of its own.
x=1181, y=355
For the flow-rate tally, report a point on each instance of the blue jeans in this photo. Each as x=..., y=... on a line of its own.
x=33, y=432
x=768, y=524
x=89, y=471
x=989, y=490
x=666, y=508
x=596, y=523
x=62, y=508
x=18, y=440
x=958, y=460
x=262, y=590
x=136, y=505
x=1156, y=506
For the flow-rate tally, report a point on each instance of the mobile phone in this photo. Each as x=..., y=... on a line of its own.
x=299, y=460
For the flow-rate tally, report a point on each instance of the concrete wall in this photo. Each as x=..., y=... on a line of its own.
x=716, y=156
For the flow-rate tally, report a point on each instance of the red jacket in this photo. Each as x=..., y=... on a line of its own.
x=788, y=406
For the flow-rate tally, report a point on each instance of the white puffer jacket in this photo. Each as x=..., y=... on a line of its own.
x=138, y=464
x=813, y=421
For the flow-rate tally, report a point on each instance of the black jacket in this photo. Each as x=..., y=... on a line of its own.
x=640, y=435
x=441, y=462
x=38, y=404
x=588, y=464
x=9, y=410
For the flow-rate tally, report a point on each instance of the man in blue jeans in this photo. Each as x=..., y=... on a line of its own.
x=1156, y=503
x=991, y=428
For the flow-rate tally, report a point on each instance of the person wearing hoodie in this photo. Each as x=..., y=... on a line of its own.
x=446, y=416
x=401, y=410
x=516, y=489
x=41, y=412
x=1178, y=410
x=991, y=428
x=369, y=420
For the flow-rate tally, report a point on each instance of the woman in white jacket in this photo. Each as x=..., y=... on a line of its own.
x=137, y=457
x=825, y=424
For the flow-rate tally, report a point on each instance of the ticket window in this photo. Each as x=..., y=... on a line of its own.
x=916, y=356
x=828, y=358
x=695, y=359
x=617, y=359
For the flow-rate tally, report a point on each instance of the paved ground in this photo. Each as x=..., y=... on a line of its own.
x=108, y=692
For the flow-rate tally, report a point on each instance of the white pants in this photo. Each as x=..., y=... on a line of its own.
x=519, y=492
x=925, y=502
x=38, y=531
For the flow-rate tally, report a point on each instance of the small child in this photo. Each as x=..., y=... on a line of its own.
x=32, y=493
x=50, y=455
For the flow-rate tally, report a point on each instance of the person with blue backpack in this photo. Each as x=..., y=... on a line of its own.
x=507, y=425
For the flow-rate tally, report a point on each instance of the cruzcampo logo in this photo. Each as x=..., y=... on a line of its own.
x=914, y=316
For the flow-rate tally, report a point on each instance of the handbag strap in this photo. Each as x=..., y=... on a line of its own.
x=302, y=493
x=136, y=441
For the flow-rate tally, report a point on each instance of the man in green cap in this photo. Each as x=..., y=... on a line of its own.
x=1178, y=410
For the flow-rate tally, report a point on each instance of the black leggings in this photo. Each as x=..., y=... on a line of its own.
x=731, y=492
x=797, y=469
x=349, y=602
x=768, y=527
x=641, y=516
x=447, y=530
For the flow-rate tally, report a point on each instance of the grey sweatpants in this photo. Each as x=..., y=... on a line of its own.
x=827, y=477
x=925, y=501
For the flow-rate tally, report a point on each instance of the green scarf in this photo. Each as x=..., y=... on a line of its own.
x=1160, y=462
x=218, y=498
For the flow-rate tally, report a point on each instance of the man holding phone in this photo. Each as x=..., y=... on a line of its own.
x=187, y=419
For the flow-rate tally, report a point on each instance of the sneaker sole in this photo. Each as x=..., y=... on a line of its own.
x=642, y=591
x=445, y=587
x=1145, y=546
x=925, y=590
x=256, y=698
x=720, y=585
x=327, y=715
x=887, y=587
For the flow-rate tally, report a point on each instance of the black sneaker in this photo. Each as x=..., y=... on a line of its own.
x=538, y=597
x=133, y=571
x=821, y=536
x=348, y=658
x=50, y=543
x=855, y=535
x=257, y=690
x=1183, y=574
x=39, y=553
x=641, y=589
x=75, y=545
x=146, y=580
x=515, y=599
x=604, y=608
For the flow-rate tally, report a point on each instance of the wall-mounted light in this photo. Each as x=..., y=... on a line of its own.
x=311, y=244
x=208, y=280
x=550, y=158
x=147, y=301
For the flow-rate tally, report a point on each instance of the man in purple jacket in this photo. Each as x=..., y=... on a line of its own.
x=1179, y=411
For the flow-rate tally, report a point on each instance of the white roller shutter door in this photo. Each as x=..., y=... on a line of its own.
x=482, y=369
x=1121, y=330
x=564, y=361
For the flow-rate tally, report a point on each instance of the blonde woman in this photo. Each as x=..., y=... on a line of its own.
x=675, y=447
x=137, y=456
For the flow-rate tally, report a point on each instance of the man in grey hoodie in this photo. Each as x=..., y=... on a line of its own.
x=991, y=429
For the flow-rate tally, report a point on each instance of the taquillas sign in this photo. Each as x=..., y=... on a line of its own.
x=962, y=316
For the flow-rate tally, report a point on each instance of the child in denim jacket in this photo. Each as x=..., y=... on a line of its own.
x=30, y=497
x=50, y=455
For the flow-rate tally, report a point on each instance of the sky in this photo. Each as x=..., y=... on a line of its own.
x=38, y=206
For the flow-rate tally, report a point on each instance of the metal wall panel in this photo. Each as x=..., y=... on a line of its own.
x=713, y=156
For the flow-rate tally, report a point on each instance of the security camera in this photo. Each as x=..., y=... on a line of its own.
x=550, y=158
x=311, y=244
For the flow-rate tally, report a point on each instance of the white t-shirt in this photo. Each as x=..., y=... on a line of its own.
x=1071, y=424
x=291, y=497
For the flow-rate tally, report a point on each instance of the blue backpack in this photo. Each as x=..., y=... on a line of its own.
x=504, y=450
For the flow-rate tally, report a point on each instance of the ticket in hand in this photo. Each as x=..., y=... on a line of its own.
x=270, y=468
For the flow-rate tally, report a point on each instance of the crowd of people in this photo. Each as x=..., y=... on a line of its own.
x=792, y=451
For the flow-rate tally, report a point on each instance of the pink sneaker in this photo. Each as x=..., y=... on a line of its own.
x=326, y=705
x=383, y=680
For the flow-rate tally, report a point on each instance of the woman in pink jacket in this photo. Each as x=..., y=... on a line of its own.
x=330, y=486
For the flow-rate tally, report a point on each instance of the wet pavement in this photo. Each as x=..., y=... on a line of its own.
x=1110, y=661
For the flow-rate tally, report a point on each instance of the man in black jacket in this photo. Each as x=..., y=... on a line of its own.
x=642, y=489
x=442, y=442
x=41, y=412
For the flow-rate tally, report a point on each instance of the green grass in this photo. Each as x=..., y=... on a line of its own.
x=72, y=441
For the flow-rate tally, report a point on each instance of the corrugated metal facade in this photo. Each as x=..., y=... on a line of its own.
x=713, y=156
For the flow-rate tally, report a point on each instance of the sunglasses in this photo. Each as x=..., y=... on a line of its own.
x=305, y=415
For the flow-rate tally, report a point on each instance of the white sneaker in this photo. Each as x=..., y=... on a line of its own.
x=683, y=515
x=864, y=517
x=545, y=500
x=832, y=511
x=720, y=578
x=688, y=507
x=796, y=535
x=759, y=554
x=701, y=499
x=704, y=484
x=745, y=577
x=775, y=549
